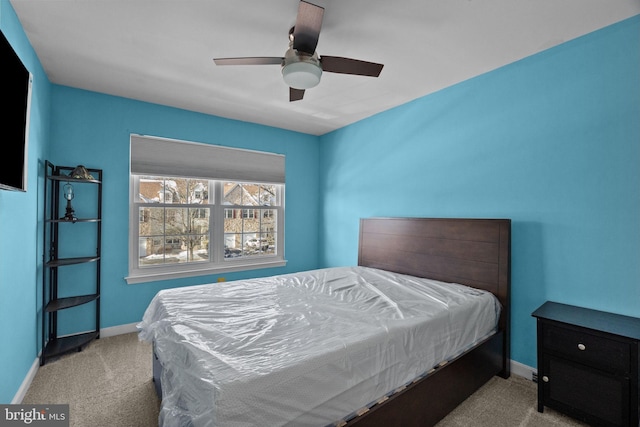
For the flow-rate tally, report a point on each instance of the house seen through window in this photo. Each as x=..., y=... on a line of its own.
x=185, y=226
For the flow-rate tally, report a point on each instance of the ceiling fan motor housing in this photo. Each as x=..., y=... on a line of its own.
x=301, y=70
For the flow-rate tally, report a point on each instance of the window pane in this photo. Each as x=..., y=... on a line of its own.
x=258, y=244
x=232, y=193
x=151, y=221
x=268, y=230
x=251, y=221
x=171, y=249
x=232, y=245
x=149, y=250
x=233, y=221
x=176, y=221
x=143, y=215
x=198, y=241
x=270, y=249
x=154, y=189
x=197, y=248
x=199, y=220
x=268, y=195
x=149, y=189
x=174, y=250
x=198, y=191
x=175, y=191
x=250, y=194
x=268, y=221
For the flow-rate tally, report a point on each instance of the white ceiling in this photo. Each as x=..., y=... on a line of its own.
x=161, y=51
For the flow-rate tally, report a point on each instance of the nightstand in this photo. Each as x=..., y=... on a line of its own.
x=588, y=364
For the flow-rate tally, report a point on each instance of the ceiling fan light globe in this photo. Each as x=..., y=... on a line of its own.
x=301, y=75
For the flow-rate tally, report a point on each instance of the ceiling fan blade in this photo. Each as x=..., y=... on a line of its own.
x=307, y=28
x=338, y=64
x=264, y=60
x=295, y=94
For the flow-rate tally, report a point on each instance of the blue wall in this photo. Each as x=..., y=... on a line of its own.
x=93, y=129
x=70, y=127
x=21, y=230
x=551, y=141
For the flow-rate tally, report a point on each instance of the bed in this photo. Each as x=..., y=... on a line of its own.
x=365, y=345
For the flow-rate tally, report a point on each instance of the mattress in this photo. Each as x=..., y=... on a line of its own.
x=305, y=349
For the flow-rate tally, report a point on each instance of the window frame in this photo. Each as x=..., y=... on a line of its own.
x=217, y=263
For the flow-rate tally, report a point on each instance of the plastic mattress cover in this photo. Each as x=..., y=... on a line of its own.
x=305, y=349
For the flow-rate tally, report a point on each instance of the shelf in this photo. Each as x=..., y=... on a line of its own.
x=69, y=179
x=70, y=261
x=61, y=220
x=62, y=303
x=57, y=346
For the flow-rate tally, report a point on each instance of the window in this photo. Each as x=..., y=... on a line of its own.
x=182, y=225
x=174, y=226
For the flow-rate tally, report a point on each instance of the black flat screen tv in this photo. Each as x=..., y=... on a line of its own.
x=15, y=105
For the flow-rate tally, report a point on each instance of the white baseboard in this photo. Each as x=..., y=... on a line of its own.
x=522, y=370
x=22, y=391
x=118, y=330
x=104, y=333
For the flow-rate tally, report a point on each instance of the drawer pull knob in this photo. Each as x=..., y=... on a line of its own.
x=582, y=346
x=545, y=379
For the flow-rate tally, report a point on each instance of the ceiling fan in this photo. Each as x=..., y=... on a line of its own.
x=301, y=65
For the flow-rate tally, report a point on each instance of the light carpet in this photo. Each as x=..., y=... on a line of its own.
x=109, y=384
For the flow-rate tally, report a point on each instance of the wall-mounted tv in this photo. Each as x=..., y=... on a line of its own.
x=15, y=105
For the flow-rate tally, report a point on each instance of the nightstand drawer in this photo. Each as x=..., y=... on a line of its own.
x=587, y=348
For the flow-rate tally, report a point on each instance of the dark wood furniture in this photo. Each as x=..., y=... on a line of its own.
x=474, y=252
x=82, y=286
x=588, y=364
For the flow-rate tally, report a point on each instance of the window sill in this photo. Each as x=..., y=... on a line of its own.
x=142, y=277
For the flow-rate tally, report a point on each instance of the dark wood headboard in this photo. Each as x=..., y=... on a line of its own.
x=473, y=252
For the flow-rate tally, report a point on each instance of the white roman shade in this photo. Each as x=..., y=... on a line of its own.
x=169, y=157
